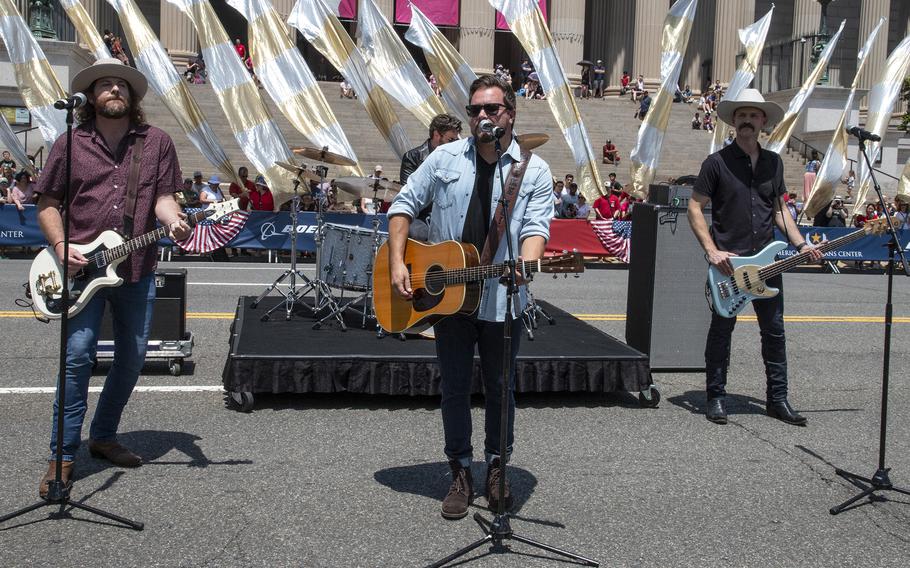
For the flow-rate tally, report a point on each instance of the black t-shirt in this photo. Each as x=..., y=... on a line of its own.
x=477, y=221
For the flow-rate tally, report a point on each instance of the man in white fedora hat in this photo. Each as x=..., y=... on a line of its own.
x=745, y=186
x=124, y=176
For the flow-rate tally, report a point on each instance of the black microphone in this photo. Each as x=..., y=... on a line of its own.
x=486, y=125
x=76, y=101
x=863, y=134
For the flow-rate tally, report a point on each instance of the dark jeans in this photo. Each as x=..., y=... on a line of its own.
x=455, y=340
x=770, y=313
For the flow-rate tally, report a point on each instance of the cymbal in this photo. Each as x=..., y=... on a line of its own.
x=365, y=187
x=299, y=171
x=323, y=155
x=533, y=140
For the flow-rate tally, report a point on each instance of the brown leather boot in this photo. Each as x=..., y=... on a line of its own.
x=66, y=475
x=494, y=472
x=455, y=504
x=114, y=452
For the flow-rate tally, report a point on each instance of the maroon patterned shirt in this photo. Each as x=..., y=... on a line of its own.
x=98, y=191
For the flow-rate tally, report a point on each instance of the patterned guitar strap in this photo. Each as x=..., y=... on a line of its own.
x=497, y=224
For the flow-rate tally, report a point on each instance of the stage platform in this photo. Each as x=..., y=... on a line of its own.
x=280, y=356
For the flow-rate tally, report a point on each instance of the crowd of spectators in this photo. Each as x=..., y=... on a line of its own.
x=570, y=203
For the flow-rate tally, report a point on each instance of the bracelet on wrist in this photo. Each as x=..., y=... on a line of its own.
x=801, y=246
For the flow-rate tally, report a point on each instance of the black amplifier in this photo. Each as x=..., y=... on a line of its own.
x=169, y=313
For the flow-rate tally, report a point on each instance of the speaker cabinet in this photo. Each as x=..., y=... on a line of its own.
x=667, y=316
x=169, y=313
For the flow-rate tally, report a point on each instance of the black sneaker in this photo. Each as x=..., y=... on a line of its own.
x=455, y=504
x=494, y=471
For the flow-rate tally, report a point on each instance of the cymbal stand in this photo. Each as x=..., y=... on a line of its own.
x=532, y=314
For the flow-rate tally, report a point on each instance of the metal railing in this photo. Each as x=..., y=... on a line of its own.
x=40, y=151
x=807, y=148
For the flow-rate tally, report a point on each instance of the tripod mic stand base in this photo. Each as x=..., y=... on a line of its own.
x=878, y=482
x=58, y=495
x=498, y=530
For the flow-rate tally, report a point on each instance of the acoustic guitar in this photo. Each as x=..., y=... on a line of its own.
x=446, y=279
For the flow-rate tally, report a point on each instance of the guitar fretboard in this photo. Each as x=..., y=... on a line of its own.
x=786, y=264
x=108, y=256
x=475, y=273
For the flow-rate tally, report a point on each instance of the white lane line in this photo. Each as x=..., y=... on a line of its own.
x=260, y=268
x=284, y=283
x=162, y=388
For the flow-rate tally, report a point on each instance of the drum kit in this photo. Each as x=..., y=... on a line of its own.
x=344, y=253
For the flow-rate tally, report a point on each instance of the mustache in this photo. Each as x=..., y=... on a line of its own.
x=744, y=125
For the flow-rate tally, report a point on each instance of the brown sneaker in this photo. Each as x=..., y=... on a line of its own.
x=65, y=475
x=114, y=453
x=455, y=504
x=493, y=474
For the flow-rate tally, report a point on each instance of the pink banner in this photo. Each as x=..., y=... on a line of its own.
x=347, y=9
x=501, y=21
x=440, y=12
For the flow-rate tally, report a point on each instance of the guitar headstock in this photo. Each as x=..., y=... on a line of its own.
x=220, y=210
x=876, y=226
x=563, y=264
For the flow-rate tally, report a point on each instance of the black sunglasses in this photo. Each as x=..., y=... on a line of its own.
x=491, y=109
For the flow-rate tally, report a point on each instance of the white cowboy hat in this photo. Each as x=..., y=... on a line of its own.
x=750, y=98
x=110, y=67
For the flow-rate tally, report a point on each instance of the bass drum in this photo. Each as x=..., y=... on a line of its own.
x=347, y=256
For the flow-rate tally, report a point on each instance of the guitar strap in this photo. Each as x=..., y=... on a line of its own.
x=497, y=225
x=132, y=186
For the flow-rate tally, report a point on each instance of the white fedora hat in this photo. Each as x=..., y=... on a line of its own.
x=750, y=98
x=110, y=67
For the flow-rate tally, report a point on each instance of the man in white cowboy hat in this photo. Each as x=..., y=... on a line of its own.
x=745, y=186
x=110, y=133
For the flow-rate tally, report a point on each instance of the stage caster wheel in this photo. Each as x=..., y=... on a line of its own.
x=649, y=398
x=242, y=400
x=174, y=366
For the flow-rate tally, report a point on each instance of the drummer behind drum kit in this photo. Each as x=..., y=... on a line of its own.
x=345, y=254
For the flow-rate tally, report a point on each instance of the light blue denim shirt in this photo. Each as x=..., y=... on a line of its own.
x=446, y=178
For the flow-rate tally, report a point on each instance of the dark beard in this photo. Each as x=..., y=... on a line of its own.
x=104, y=111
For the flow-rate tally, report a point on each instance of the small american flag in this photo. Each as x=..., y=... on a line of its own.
x=211, y=235
x=615, y=236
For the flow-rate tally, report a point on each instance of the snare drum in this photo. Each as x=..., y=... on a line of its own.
x=347, y=256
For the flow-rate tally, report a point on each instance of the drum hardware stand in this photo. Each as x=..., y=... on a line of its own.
x=880, y=480
x=499, y=529
x=532, y=314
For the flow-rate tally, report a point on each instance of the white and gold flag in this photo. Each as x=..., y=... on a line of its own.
x=881, y=100
x=829, y=175
x=391, y=65
x=320, y=26
x=288, y=80
x=86, y=29
x=250, y=120
x=529, y=26
x=170, y=87
x=753, y=40
x=453, y=74
x=777, y=142
x=903, y=185
x=646, y=155
x=37, y=82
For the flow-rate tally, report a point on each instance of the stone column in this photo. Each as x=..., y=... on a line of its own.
x=177, y=35
x=477, y=34
x=649, y=23
x=387, y=7
x=620, y=44
x=701, y=47
x=730, y=17
x=806, y=17
x=870, y=12
x=567, y=25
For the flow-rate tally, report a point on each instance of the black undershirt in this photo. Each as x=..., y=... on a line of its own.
x=477, y=220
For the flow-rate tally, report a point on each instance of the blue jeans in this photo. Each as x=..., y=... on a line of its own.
x=770, y=313
x=131, y=310
x=455, y=340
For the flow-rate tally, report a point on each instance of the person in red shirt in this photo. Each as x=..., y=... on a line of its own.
x=240, y=48
x=624, y=83
x=243, y=193
x=261, y=196
x=602, y=208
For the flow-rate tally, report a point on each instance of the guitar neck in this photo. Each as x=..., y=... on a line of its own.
x=476, y=273
x=145, y=240
x=786, y=264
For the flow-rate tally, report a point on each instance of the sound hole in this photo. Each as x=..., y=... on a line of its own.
x=435, y=282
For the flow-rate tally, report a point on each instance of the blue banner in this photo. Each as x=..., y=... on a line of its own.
x=870, y=247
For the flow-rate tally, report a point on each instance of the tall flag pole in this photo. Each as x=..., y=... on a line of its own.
x=753, y=40
x=170, y=87
x=777, y=142
x=390, y=64
x=86, y=28
x=250, y=120
x=646, y=155
x=288, y=80
x=38, y=85
x=882, y=98
x=452, y=72
x=529, y=26
x=835, y=162
x=320, y=26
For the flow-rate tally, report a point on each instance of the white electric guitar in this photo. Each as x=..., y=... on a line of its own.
x=729, y=295
x=104, y=254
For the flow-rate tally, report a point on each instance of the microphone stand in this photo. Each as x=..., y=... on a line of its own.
x=880, y=480
x=58, y=492
x=499, y=528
